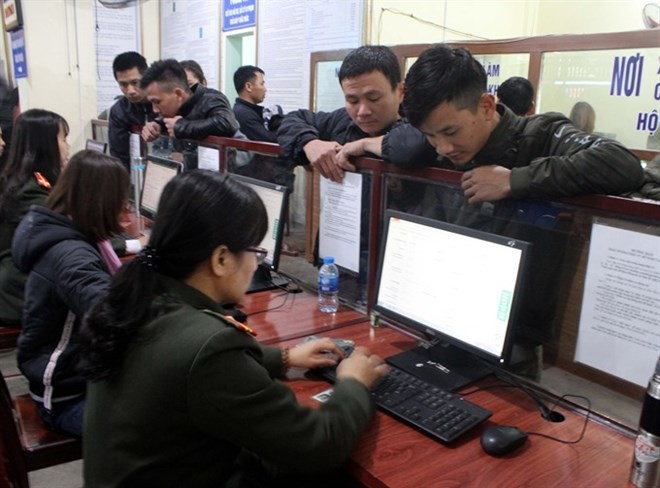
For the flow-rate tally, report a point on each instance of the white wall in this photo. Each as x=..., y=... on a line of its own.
x=60, y=53
x=490, y=19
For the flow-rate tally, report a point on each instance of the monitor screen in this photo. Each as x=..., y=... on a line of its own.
x=98, y=146
x=157, y=173
x=275, y=198
x=451, y=284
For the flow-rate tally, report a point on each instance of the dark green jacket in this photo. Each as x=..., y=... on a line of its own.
x=193, y=392
x=12, y=281
x=547, y=155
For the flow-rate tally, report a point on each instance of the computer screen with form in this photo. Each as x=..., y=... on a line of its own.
x=454, y=286
x=157, y=173
x=275, y=198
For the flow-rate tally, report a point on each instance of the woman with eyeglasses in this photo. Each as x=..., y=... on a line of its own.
x=181, y=395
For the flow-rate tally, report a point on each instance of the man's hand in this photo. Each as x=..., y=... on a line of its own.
x=151, y=131
x=358, y=148
x=322, y=155
x=169, y=124
x=486, y=184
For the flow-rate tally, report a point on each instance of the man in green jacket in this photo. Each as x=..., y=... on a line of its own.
x=503, y=155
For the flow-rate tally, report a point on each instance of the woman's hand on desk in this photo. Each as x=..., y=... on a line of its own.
x=317, y=353
x=363, y=366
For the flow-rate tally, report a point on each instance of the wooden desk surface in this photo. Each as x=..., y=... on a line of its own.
x=392, y=454
x=277, y=316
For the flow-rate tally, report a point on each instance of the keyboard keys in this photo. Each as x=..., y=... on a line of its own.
x=439, y=413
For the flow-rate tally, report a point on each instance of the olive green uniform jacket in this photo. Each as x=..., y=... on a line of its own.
x=193, y=391
x=12, y=281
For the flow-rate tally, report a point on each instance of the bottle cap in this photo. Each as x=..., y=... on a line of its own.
x=328, y=260
x=657, y=367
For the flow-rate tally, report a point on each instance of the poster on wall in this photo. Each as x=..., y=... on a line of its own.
x=12, y=17
x=238, y=14
x=190, y=29
x=293, y=30
x=18, y=54
x=117, y=31
x=618, y=331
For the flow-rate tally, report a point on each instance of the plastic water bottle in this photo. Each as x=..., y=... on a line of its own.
x=645, y=472
x=328, y=286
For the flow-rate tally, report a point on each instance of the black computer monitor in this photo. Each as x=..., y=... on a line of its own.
x=276, y=199
x=456, y=287
x=97, y=146
x=157, y=173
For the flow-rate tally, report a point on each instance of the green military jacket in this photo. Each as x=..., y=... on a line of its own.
x=12, y=281
x=195, y=391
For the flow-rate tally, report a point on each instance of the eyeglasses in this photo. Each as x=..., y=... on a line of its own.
x=259, y=252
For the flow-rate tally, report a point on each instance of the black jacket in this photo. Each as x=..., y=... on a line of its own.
x=123, y=116
x=547, y=155
x=302, y=126
x=67, y=275
x=206, y=113
x=251, y=119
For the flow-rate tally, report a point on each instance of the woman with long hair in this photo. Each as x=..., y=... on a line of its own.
x=181, y=395
x=65, y=248
x=38, y=151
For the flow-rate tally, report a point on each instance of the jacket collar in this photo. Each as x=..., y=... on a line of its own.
x=198, y=92
x=499, y=143
x=257, y=108
x=188, y=294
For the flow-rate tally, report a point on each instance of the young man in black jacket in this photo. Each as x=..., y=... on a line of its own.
x=370, y=78
x=502, y=155
x=187, y=113
x=133, y=109
x=251, y=88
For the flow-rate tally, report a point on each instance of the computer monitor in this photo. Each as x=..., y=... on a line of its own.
x=276, y=199
x=157, y=173
x=94, y=145
x=456, y=287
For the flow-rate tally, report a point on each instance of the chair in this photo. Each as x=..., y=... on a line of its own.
x=9, y=337
x=27, y=444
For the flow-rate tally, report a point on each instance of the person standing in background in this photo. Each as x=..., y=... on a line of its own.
x=133, y=109
x=517, y=93
x=251, y=88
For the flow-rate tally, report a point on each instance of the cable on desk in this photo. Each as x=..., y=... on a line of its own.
x=286, y=298
x=584, y=426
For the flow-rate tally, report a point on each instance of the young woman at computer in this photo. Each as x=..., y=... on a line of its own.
x=64, y=247
x=39, y=149
x=183, y=396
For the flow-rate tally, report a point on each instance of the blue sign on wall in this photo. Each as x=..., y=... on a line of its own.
x=238, y=14
x=18, y=54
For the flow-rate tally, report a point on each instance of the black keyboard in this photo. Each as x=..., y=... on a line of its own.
x=439, y=413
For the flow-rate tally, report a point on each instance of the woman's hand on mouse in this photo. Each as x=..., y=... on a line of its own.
x=317, y=353
x=363, y=366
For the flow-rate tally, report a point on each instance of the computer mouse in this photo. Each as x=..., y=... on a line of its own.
x=502, y=439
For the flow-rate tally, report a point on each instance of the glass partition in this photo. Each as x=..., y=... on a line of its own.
x=554, y=323
x=620, y=87
x=500, y=67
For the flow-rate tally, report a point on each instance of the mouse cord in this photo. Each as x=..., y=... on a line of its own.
x=584, y=426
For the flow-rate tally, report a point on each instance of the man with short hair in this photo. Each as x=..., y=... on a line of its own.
x=187, y=113
x=370, y=78
x=251, y=88
x=133, y=109
x=517, y=93
x=502, y=155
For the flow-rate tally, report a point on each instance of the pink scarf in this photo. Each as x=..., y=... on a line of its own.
x=109, y=256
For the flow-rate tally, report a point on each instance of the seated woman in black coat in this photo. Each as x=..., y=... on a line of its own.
x=65, y=248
